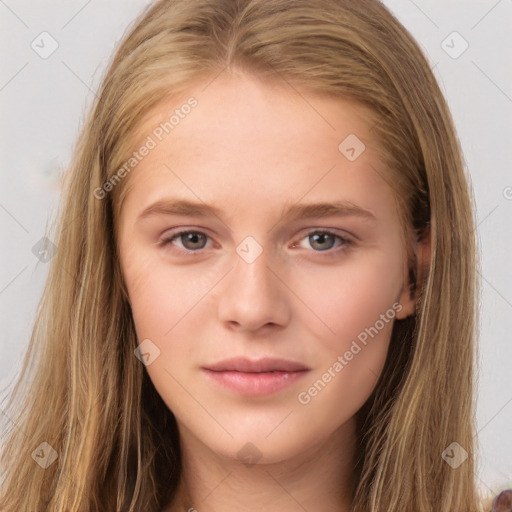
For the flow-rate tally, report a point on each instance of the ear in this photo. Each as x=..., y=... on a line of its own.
x=415, y=272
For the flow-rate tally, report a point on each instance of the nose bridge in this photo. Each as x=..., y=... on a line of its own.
x=253, y=263
x=253, y=269
x=253, y=295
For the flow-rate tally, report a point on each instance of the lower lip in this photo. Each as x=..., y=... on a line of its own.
x=255, y=384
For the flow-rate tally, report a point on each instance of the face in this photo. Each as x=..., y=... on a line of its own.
x=225, y=255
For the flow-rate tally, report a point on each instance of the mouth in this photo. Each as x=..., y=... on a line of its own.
x=255, y=377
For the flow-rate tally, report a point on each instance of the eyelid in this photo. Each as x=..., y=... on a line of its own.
x=331, y=231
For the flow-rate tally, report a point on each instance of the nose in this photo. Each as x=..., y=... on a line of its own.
x=254, y=295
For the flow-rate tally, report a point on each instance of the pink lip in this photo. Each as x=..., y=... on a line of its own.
x=266, y=364
x=255, y=377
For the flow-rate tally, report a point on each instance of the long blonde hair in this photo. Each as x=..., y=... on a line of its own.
x=84, y=392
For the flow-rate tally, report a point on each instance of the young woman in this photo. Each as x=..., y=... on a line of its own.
x=196, y=347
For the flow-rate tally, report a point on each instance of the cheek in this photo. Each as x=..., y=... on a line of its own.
x=357, y=305
x=162, y=300
x=159, y=296
x=350, y=297
x=146, y=298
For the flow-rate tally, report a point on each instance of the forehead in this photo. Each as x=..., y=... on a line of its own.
x=255, y=142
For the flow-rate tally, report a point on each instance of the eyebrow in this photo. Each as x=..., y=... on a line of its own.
x=297, y=211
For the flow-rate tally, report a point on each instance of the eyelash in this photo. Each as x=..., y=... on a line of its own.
x=345, y=243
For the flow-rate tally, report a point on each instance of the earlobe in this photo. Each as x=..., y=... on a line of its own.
x=407, y=303
x=417, y=274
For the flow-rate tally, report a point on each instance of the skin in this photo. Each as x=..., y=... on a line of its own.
x=252, y=148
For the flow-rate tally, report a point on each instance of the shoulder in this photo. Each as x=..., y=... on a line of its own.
x=502, y=502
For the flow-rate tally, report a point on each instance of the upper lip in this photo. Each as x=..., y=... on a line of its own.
x=266, y=364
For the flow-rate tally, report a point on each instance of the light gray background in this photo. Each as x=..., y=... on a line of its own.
x=42, y=102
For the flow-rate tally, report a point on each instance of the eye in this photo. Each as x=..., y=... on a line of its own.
x=191, y=241
x=324, y=241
